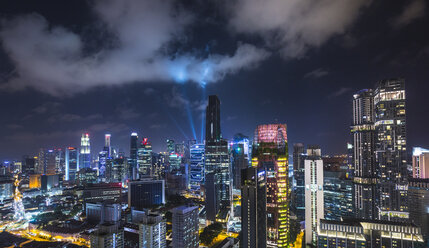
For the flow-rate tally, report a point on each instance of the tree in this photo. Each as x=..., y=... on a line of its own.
x=210, y=232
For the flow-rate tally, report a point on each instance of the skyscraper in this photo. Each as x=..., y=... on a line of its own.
x=363, y=153
x=391, y=152
x=217, y=158
x=418, y=193
x=298, y=200
x=133, y=167
x=72, y=163
x=240, y=158
x=152, y=231
x=253, y=208
x=270, y=154
x=196, y=178
x=314, y=199
x=46, y=161
x=144, y=158
x=213, y=119
x=185, y=227
x=107, y=148
x=85, y=151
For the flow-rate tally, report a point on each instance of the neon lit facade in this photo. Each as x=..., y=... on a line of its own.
x=196, y=178
x=270, y=153
x=85, y=151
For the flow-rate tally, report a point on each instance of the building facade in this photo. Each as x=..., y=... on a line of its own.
x=185, y=227
x=270, y=154
x=420, y=163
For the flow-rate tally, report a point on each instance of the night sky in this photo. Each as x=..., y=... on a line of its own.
x=68, y=67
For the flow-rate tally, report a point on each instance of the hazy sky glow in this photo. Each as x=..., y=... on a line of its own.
x=148, y=66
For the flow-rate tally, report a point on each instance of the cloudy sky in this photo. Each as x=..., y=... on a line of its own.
x=111, y=66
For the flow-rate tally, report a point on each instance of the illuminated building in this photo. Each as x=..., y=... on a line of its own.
x=107, y=148
x=152, y=231
x=196, y=178
x=364, y=154
x=185, y=227
x=118, y=169
x=253, y=208
x=361, y=233
x=35, y=181
x=85, y=151
x=314, y=198
x=46, y=161
x=108, y=235
x=144, y=158
x=133, y=166
x=420, y=163
x=72, y=163
x=101, y=212
x=338, y=195
x=146, y=193
x=170, y=146
x=179, y=149
x=240, y=158
x=391, y=152
x=298, y=187
x=6, y=189
x=86, y=176
x=418, y=197
x=159, y=162
x=59, y=161
x=30, y=166
x=110, y=192
x=174, y=161
x=48, y=182
x=270, y=154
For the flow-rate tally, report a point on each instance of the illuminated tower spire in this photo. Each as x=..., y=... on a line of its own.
x=107, y=146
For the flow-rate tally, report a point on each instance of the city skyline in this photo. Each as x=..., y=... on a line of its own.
x=274, y=87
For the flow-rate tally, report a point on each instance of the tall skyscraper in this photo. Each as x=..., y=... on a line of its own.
x=46, y=163
x=144, y=158
x=420, y=163
x=185, y=227
x=391, y=151
x=270, y=154
x=365, y=174
x=133, y=167
x=217, y=158
x=152, y=231
x=107, y=148
x=196, y=178
x=240, y=158
x=314, y=201
x=72, y=163
x=253, y=208
x=298, y=200
x=213, y=119
x=85, y=151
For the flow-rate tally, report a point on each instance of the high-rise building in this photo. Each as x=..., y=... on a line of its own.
x=298, y=200
x=170, y=146
x=217, y=159
x=314, y=201
x=391, y=151
x=146, y=193
x=364, y=135
x=270, y=154
x=108, y=235
x=144, y=158
x=102, y=212
x=338, y=195
x=196, y=174
x=59, y=161
x=240, y=158
x=72, y=163
x=152, y=231
x=185, y=227
x=133, y=166
x=46, y=161
x=253, y=208
x=30, y=165
x=420, y=163
x=213, y=119
x=107, y=148
x=85, y=151
x=418, y=194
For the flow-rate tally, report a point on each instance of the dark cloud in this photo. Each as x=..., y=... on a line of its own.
x=295, y=25
x=50, y=58
x=414, y=10
x=318, y=73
